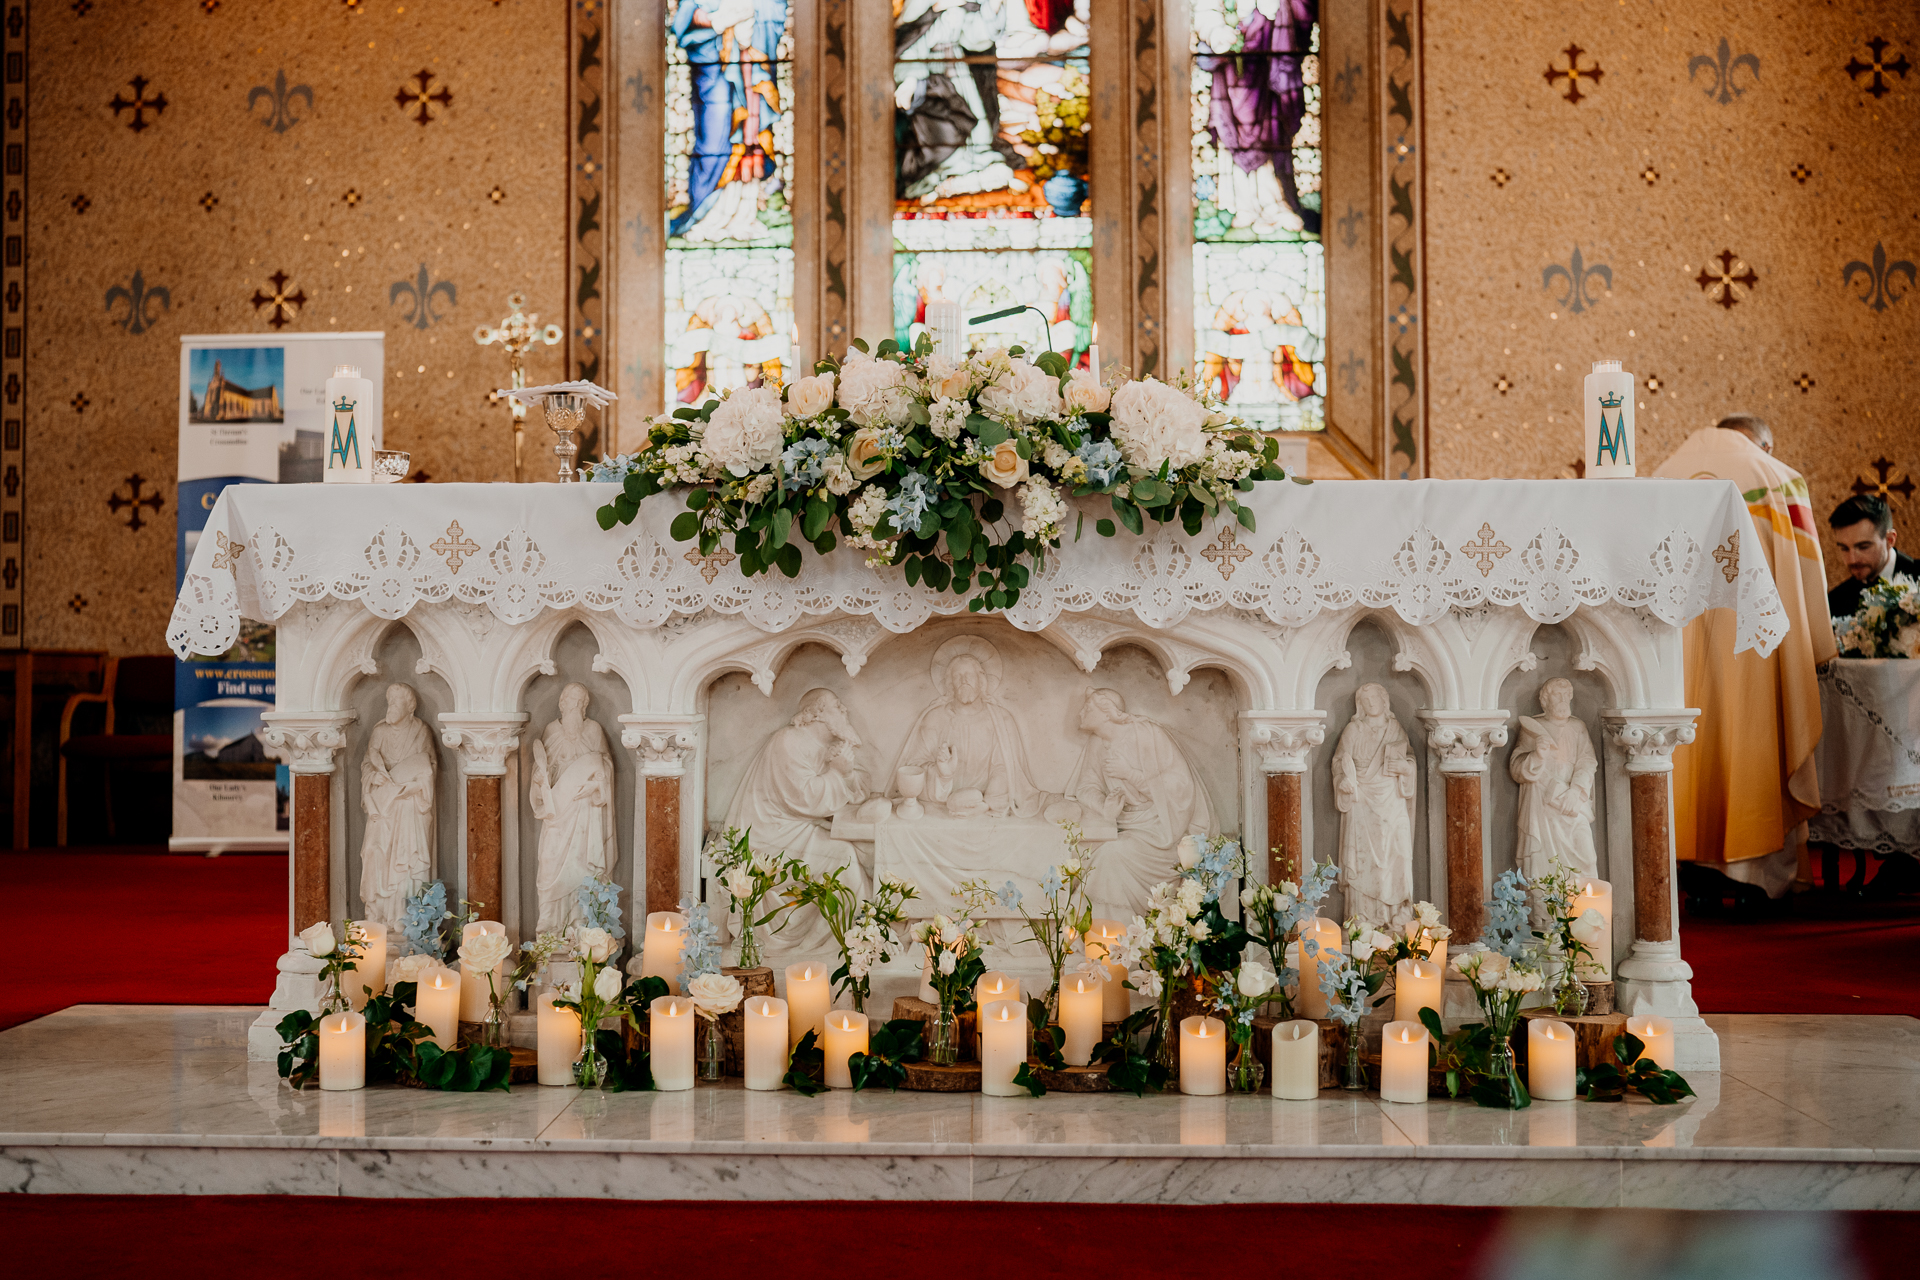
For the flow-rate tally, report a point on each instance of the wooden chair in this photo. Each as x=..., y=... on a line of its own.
x=136, y=688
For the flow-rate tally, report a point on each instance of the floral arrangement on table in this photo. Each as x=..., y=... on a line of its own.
x=748, y=878
x=337, y=956
x=864, y=930
x=482, y=953
x=1276, y=915
x=1885, y=624
x=1569, y=938
x=399, y=1047
x=1239, y=995
x=1351, y=986
x=595, y=995
x=888, y=451
x=954, y=965
x=1055, y=929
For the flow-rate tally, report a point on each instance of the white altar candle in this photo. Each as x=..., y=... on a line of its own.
x=660, y=954
x=558, y=1039
x=1003, y=1047
x=1550, y=1065
x=1093, y=350
x=352, y=435
x=1656, y=1033
x=343, y=1051
x=438, y=1005
x=1081, y=1000
x=1203, y=1056
x=1403, y=1062
x=670, y=1023
x=1598, y=895
x=1102, y=937
x=993, y=985
x=474, y=992
x=947, y=326
x=1608, y=394
x=846, y=1036
x=809, y=996
x=767, y=1045
x=1296, y=1060
x=1416, y=986
x=370, y=970
x=1312, y=1002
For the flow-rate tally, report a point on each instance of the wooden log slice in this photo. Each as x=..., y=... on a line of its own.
x=1599, y=999
x=925, y=1077
x=1088, y=1079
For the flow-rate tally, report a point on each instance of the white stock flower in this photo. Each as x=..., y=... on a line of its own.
x=1153, y=423
x=318, y=939
x=483, y=952
x=607, y=984
x=744, y=433
x=810, y=397
x=1041, y=510
x=715, y=993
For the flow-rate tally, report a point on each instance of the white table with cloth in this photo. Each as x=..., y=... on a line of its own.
x=1869, y=756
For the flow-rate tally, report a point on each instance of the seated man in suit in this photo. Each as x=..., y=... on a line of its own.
x=1863, y=529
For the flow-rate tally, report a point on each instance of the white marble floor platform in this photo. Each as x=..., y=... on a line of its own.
x=1807, y=1113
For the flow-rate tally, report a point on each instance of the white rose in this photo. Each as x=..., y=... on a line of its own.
x=1085, y=392
x=1589, y=927
x=947, y=962
x=715, y=993
x=1493, y=967
x=1188, y=852
x=1025, y=392
x=607, y=984
x=1255, y=980
x=413, y=968
x=1153, y=423
x=744, y=433
x=318, y=938
x=593, y=944
x=871, y=391
x=810, y=397
x=949, y=379
x=484, y=951
x=1006, y=467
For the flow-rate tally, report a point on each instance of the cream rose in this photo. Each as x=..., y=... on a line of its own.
x=413, y=968
x=318, y=939
x=593, y=944
x=864, y=458
x=1085, y=392
x=1005, y=467
x=744, y=433
x=949, y=379
x=715, y=993
x=484, y=951
x=810, y=397
x=1255, y=980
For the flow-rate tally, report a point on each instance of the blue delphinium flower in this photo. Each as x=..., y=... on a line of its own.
x=612, y=470
x=600, y=904
x=909, y=504
x=804, y=463
x=1102, y=459
x=1508, y=929
x=1009, y=896
x=1053, y=886
x=1344, y=986
x=701, y=954
x=426, y=913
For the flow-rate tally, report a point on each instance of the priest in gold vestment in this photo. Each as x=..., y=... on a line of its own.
x=1745, y=787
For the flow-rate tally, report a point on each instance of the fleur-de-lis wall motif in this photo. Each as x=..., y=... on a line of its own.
x=1575, y=296
x=1722, y=64
x=1880, y=275
x=1346, y=81
x=422, y=312
x=139, y=299
x=1349, y=224
x=280, y=97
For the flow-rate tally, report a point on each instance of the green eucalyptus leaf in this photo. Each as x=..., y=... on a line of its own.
x=685, y=527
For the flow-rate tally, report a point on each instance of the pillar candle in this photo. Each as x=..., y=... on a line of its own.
x=352, y=435
x=767, y=1045
x=371, y=968
x=809, y=996
x=1101, y=937
x=1436, y=951
x=1203, y=1056
x=1081, y=1001
x=1598, y=895
x=1003, y=1047
x=994, y=985
x=947, y=322
x=1656, y=1033
x=1093, y=350
x=670, y=1036
x=1403, y=1062
x=1550, y=1066
x=846, y=1036
x=558, y=1039
x=473, y=986
x=1296, y=1060
x=438, y=1005
x=1416, y=986
x=1312, y=1002
x=343, y=1051
x=1609, y=395
x=660, y=954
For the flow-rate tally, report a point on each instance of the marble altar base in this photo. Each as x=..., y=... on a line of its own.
x=1807, y=1113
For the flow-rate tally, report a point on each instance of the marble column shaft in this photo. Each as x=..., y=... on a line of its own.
x=1284, y=742
x=308, y=742
x=1649, y=739
x=1461, y=740
x=664, y=748
x=484, y=743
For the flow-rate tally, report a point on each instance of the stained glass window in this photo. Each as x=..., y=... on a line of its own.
x=1259, y=283
x=729, y=257
x=992, y=120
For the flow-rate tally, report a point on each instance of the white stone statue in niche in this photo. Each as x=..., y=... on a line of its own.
x=572, y=795
x=1554, y=765
x=1373, y=785
x=1137, y=776
x=805, y=774
x=396, y=791
x=967, y=743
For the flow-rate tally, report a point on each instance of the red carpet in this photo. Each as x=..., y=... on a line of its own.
x=169, y=929
x=1861, y=965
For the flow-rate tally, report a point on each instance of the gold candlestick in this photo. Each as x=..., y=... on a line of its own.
x=517, y=332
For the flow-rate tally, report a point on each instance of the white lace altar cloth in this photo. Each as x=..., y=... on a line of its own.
x=1673, y=547
x=1869, y=755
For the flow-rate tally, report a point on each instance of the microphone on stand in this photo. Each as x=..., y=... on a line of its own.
x=1046, y=326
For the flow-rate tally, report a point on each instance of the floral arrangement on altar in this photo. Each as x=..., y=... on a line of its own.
x=954, y=965
x=747, y=878
x=863, y=929
x=890, y=450
x=1885, y=625
x=1064, y=920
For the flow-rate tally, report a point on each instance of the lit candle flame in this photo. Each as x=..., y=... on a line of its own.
x=807, y=976
x=1406, y=1037
x=1004, y=1016
x=846, y=1023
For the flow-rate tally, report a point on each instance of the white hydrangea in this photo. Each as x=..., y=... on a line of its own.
x=1153, y=423
x=946, y=418
x=1024, y=393
x=744, y=433
x=875, y=392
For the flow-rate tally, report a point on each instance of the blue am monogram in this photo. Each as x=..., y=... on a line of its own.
x=337, y=452
x=1613, y=439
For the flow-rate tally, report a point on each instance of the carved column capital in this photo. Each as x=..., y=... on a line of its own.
x=663, y=743
x=1284, y=740
x=307, y=739
x=483, y=739
x=1462, y=739
x=1650, y=737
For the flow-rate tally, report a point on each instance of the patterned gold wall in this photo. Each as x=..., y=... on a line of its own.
x=290, y=148
x=1707, y=140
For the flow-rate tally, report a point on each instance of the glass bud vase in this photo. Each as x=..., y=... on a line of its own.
x=945, y=1049
x=1503, y=1074
x=749, y=943
x=493, y=1032
x=1570, y=997
x=335, y=1000
x=1356, y=1071
x=713, y=1051
x=1247, y=1071
x=590, y=1068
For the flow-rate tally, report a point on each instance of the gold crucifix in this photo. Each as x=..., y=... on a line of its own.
x=517, y=332
x=1729, y=557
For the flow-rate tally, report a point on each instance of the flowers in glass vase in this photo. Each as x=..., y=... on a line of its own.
x=337, y=957
x=1059, y=925
x=1885, y=624
x=1350, y=985
x=1275, y=916
x=595, y=996
x=1239, y=994
x=891, y=449
x=954, y=964
x=1500, y=984
x=863, y=929
x=482, y=953
x=714, y=996
x=1569, y=938
x=747, y=878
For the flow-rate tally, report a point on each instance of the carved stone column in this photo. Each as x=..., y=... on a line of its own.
x=1460, y=741
x=1284, y=743
x=1654, y=979
x=664, y=745
x=484, y=742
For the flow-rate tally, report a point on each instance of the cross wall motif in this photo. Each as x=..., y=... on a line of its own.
x=1885, y=487
x=454, y=546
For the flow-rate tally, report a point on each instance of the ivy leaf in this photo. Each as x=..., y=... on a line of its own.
x=807, y=1068
x=1027, y=1080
